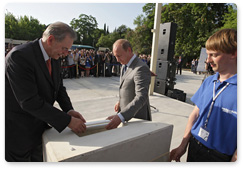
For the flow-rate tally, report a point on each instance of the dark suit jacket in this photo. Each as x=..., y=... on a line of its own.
x=30, y=93
x=133, y=91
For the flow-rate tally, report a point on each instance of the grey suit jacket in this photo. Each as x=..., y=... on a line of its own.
x=133, y=91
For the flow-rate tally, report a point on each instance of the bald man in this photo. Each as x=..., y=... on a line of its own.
x=134, y=86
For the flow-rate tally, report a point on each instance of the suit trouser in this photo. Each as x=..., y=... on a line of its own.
x=33, y=155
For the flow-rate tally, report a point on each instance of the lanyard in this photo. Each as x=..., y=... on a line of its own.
x=214, y=98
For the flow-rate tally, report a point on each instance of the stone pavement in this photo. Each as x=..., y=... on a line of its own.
x=95, y=98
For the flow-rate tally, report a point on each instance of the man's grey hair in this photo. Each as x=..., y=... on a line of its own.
x=59, y=30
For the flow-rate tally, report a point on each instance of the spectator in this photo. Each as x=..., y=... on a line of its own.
x=88, y=63
x=71, y=65
x=107, y=66
x=76, y=59
x=196, y=64
x=92, y=69
x=82, y=62
x=97, y=63
x=193, y=65
x=64, y=66
x=179, y=65
x=115, y=66
x=148, y=60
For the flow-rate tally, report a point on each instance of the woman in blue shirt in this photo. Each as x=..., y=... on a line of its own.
x=88, y=63
x=211, y=131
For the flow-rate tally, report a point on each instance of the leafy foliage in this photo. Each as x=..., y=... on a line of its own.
x=230, y=18
x=195, y=23
x=24, y=28
x=85, y=26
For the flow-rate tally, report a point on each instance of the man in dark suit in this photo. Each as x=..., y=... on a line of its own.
x=134, y=85
x=33, y=83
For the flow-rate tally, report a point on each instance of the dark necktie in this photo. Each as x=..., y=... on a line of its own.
x=48, y=64
x=124, y=70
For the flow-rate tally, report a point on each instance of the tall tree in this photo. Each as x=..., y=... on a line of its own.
x=230, y=18
x=11, y=26
x=84, y=26
x=24, y=28
x=139, y=20
x=105, y=28
x=107, y=40
x=107, y=31
x=96, y=35
x=140, y=39
x=121, y=30
x=196, y=22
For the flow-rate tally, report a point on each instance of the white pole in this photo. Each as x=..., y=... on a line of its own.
x=154, y=53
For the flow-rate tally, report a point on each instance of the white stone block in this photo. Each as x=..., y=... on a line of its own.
x=136, y=141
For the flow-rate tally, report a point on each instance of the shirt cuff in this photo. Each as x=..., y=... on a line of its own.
x=121, y=117
x=69, y=111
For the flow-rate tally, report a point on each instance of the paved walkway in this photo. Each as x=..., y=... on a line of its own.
x=95, y=98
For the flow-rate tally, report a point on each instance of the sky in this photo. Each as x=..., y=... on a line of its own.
x=113, y=14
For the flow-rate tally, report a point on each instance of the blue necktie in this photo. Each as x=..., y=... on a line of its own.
x=124, y=70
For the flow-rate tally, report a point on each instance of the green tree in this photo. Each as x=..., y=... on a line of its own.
x=96, y=36
x=230, y=18
x=105, y=27
x=108, y=40
x=139, y=20
x=29, y=28
x=11, y=26
x=141, y=37
x=24, y=28
x=196, y=22
x=84, y=26
x=121, y=30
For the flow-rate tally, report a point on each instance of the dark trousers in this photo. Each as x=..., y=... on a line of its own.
x=32, y=155
x=71, y=71
x=197, y=152
x=179, y=67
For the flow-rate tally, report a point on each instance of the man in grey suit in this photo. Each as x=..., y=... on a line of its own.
x=134, y=85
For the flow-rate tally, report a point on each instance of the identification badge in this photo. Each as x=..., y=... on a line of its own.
x=203, y=134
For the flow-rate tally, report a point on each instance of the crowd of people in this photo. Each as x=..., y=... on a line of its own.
x=89, y=62
x=85, y=63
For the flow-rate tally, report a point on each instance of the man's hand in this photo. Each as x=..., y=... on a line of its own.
x=77, y=122
x=117, y=107
x=77, y=125
x=76, y=114
x=176, y=153
x=115, y=121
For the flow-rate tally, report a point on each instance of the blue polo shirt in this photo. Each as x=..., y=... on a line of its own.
x=222, y=124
